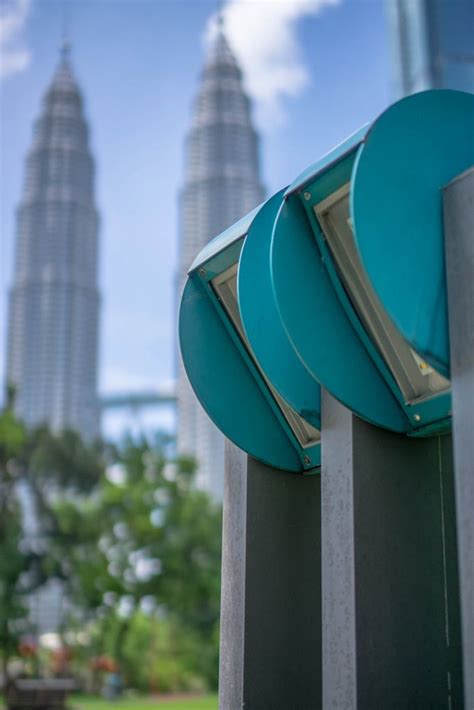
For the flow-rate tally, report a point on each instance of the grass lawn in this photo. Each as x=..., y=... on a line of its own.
x=208, y=702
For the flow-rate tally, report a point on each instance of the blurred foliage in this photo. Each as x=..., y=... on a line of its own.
x=158, y=653
x=189, y=702
x=143, y=558
x=41, y=462
x=14, y=561
x=135, y=544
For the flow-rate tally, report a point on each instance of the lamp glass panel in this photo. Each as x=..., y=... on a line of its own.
x=225, y=286
x=415, y=378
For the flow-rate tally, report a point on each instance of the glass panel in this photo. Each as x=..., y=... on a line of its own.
x=225, y=285
x=415, y=378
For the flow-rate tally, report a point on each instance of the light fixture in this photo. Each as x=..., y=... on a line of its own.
x=415, y=378
x=357, y=262
x=337, y=280
x=224, y=371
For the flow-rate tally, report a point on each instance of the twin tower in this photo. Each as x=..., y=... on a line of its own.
x=54, y=301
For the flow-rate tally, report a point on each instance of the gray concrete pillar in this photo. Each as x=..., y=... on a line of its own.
x=458, y=201
x=271, y=588
x=391, y=619
x=338, y=560
x=231, y=657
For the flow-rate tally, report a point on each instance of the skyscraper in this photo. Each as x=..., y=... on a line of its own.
x=54, y=300
x=432, y=42
x=222, y=183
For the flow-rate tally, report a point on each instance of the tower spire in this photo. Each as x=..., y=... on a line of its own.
x=65, y=46
x=65, y=49
x=222, y=183
x=52, y=356
x=220, y=15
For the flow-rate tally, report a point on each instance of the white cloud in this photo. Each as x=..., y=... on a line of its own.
x=263, y=35
x=14, y=54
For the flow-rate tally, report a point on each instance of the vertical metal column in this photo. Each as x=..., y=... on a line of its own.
x=271, y=594
x=338, y=558
x=231, y=658
x=458, y=202
x=391, y=621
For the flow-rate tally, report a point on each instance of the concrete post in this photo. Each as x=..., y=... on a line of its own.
x=271, y=588
x=391, y=621
x=458, y=201
x=338, y=560
x=231, y=658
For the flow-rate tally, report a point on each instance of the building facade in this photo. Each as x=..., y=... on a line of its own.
x=54, y=299
x=432, y=44
x=222, y=183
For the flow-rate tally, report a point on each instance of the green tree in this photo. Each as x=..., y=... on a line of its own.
x=16, y=564
x=135, y=544
x=51, y=467
x=146, y=540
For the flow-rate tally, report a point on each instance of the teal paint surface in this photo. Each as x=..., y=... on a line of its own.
x=225, y=386
x=412, y=151
x=320, y=166
x=297, y=316
x=317, y=324
x=222, y=260
x=262, y=324
x=221, y=242
x=434, y=409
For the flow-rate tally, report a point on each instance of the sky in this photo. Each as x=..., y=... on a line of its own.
x=316, y=71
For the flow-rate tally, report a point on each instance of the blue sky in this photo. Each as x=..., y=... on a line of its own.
x=317, y=70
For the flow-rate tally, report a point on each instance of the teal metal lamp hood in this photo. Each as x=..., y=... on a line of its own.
x=337, y=280
x=225, y=372
x=361, y=233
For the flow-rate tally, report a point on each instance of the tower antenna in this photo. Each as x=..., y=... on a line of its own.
x=220, y=14
x=65, y=38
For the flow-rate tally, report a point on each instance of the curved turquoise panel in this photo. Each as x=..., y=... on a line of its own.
x=224, y=384
x=262, y=323
x=327, y=161
x=411, y=152
x=318, y=327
